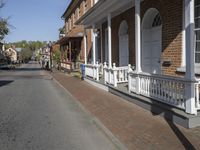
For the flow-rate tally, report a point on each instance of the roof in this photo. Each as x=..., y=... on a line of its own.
x=70, y=8
x=66, y=39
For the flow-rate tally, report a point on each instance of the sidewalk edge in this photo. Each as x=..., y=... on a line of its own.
x=96, y=121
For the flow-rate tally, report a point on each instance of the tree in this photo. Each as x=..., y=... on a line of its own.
x=4, y=30
x=26, y=55
x=61, y=30
x=56, y=56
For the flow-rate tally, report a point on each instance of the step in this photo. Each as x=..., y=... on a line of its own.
x=168, y=112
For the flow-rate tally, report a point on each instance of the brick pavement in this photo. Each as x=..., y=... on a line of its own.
x=134, y=126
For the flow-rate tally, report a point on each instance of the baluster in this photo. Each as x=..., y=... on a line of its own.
x=97, y=71
x=150, y=86
x=197, y=95
x=105, y=72
x=178, y=93
x=115, y=80
x=143, y=85
x=159, y=92
x=167, y=91
x=161, y=89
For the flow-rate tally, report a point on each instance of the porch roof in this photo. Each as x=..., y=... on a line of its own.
x=64, y=40
x=99, y=12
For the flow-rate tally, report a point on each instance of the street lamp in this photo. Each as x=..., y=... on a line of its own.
x=50, y=50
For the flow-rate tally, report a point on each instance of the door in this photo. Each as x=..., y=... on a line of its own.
x=123, y=50
x=152, y=50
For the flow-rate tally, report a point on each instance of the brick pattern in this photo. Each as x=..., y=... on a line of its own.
x=172, y=19
x=135, y=127
x=77, y=30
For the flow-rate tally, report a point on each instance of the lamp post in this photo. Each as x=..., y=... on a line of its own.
x=50, y=50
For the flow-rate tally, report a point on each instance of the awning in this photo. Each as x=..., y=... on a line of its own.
x=65, y=40
x=99, y=12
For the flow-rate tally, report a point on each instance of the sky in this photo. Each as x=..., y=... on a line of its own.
x=34, y=19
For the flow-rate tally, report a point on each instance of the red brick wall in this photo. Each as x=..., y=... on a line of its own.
x=172, y=14
x=76, y=30
x=129, y=17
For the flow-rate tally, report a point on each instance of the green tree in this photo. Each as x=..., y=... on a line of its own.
x=56, y=56
x=4, y=30
x=26, y=55
x=61, y=30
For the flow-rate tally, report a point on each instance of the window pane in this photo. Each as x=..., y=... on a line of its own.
x=197, y=23
x=197, y=2
x=197, y=11
x=197, y=35
x=197, y=46
x=197, y=57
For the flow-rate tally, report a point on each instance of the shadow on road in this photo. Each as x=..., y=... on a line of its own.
x=5, y=82
x=27, y=69
x=168, y=118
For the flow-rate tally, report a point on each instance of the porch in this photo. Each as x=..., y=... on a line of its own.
x=145, y=78
x=71, y=56
x=163, y=89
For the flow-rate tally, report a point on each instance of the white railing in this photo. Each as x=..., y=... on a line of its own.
x=116, y=75
x=197, y=96
x=170, y=90
x=92, y=71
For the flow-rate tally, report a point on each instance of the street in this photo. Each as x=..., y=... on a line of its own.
x=37, y=114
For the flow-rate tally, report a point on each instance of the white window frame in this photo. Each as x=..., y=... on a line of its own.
x=70, y=24
x=77, y=13
x=73, y=19
x=85, y=6
x=67, y=28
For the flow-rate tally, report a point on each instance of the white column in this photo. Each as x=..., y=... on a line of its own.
x=190, y=56
x=109, y=42
x=137, y=44
x=94, y=45
x=137, y=36
x=85, y=46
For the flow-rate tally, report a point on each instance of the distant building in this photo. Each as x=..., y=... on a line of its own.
x=1, y=52
x=45, y=57
x=11, y=53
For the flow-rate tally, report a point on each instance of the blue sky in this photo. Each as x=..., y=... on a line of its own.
x=34, y=19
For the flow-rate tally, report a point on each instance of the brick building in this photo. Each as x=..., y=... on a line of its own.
x=72, y=44
x=151, y=48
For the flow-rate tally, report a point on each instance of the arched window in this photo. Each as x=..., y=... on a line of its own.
x=157, y=21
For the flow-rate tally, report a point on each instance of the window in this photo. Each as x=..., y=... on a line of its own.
x=73, y=20
x=197, y=31
x=157, y=21
x=67, y=27
x=70, y=24
x=84, y=6
x=77, y=13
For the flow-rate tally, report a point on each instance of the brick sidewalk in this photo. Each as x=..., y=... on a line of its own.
x=134, y=126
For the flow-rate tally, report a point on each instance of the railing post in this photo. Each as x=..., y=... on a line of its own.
x=114, y=75
x=129, y=78
x=85, y=46
x=97, y=71
x=105, y=72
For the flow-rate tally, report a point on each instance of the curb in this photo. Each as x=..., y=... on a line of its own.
x=96, y=121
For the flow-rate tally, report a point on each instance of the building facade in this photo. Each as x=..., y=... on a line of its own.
x=72, y=44
x=150, y=46
x=11, y=53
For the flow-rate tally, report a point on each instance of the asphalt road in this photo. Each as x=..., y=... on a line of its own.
x=37, y=114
